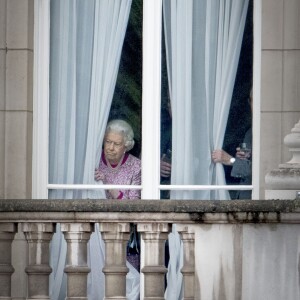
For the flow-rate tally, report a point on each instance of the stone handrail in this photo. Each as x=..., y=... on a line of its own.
x=38, y=219
x=173, y=211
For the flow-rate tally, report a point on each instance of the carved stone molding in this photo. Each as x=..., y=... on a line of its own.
x=284, y=182
x=7, y=233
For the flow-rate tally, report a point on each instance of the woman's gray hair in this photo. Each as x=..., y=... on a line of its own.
x=123, y=128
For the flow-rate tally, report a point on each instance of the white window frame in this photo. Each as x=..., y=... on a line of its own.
x=150, y=186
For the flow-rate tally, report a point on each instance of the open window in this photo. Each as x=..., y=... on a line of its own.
x=184, y=82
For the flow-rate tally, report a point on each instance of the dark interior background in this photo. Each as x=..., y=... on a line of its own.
x=128, y=92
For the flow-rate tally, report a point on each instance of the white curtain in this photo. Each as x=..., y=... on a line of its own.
x=86, y=43
x=203, y=42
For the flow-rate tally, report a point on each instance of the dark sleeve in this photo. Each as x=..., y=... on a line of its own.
x=242, y=167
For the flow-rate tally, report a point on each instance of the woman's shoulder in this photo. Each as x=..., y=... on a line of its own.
x=133, y=160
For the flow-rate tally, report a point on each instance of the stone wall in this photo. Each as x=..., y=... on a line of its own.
x=16, y=85
x=280, y=81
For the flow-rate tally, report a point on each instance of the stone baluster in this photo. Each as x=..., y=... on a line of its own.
x=115, y=236
x=188, y=269
x=284, y=182
x=77, y=236
x=38, y=236
x=7, y=233
x=154, y=236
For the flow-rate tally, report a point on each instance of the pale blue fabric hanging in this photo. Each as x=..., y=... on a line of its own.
x=203, y=42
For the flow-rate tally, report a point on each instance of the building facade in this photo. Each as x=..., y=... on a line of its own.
x=279, y=89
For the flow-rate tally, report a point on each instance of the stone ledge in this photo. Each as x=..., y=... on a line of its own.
x=151, y=206
x=154, y=218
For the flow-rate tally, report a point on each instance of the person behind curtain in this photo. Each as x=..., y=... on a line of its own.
x=117, y=166
x=241, y=163
x=166, y=152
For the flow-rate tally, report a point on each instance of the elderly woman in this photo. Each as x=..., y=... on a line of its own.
x=117, y=166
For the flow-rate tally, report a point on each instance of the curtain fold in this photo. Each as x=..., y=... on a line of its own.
x=203, y=42
x=86, y=44
x=109, y=32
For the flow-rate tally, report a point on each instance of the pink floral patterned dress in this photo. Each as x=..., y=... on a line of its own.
x=127, y=173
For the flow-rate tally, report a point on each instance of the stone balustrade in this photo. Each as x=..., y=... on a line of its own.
x=154, y=219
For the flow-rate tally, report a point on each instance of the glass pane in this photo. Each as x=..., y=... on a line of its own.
x=207, y=75
x=127, y=99
x=67, y=194
x=78, y=193
x=238, y=129
x=90, y=42
x=127, y=105
x=166, y=125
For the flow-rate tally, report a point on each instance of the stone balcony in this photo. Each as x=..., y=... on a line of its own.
x=236, y=222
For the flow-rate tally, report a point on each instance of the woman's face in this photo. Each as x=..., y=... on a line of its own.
x=114, y=147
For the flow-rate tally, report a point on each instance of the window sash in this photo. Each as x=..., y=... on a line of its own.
x=41, y=99
x=152, y=26
x=257, y=13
